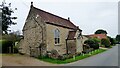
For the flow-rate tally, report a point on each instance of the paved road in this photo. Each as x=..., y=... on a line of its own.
x=119, y=55
x=108, y=58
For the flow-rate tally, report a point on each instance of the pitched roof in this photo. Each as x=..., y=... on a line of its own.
x=53, y=19
x=100, y=36
x=71, y=35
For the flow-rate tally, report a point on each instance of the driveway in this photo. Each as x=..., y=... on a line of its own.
x=22, y=60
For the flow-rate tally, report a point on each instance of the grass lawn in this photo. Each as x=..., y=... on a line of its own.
x=55, y=61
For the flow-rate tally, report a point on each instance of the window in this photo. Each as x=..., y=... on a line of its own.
x=57, y=36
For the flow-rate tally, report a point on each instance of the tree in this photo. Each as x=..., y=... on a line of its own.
x=118, y=38
x=105, y=42
x=112, y=40
x=6, y=17
x=100, y=31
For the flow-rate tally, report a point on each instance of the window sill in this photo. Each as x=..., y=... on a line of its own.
x=57, y=44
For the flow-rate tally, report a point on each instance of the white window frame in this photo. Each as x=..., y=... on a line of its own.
x=57, y=36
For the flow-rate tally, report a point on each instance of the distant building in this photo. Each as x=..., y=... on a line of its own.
x=99, y=36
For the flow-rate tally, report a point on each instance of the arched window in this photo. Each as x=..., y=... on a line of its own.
x=57, y=36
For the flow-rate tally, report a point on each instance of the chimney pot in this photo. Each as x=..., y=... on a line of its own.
x=69, y=18
x=31, y=4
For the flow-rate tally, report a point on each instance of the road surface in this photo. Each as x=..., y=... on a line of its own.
x=107, y=58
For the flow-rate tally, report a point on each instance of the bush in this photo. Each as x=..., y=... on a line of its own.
x=61, y=57
x=53, y=54
x=89, y=41
x=5, y=46
x=15, y=49
x=96, y=43
x=105, y=42
x=8, y=42
x=42, y=57
x=112, y=40
x=118, y=38
x=93, y=43
x=0, y=46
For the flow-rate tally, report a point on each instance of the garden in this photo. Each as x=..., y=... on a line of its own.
x=91, y=47
x=72, y=59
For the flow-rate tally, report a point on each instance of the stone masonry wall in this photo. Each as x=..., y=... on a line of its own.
x=61, y=48
x=34, y=34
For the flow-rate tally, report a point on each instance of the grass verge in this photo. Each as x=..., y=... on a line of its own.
x=80, y=57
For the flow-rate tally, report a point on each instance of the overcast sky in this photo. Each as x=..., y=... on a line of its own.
x=89, y=15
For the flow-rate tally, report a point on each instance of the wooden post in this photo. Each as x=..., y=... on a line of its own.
x=89, y=53
x=74, y=57
x=9, y=49
x=83, y=54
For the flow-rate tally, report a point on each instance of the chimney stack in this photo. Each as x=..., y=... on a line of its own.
x=69, y=18
x=31, y=4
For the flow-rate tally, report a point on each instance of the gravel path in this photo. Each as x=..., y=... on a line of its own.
x=22, y=60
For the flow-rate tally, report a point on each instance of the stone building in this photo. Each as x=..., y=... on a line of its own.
x=45, y=32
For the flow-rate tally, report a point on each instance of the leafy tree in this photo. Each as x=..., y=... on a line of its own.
x=6, y=17
x=105, y=42
x=13, y=36
x=118, y=38
x=100, y=31
x=112, y=40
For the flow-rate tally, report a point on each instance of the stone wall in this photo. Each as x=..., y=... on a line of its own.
x=34, y=33
x=79, y=45
x=71, y=45
x=84, y=39
x=61, y=48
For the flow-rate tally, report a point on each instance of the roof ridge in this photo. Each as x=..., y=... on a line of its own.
x=64, y=22
x=52, y=14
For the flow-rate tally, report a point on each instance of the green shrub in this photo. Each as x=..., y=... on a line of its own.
x=89, y=41
x=96, y=43
x=69, y=60
x=8, y=41
x=112, y=40
x=5, y=46
x=93, y=43
x=61, y=57
x=42, y=57
x=15, y=49
x=105, y=42
x=118, y=38
x=0, y=46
